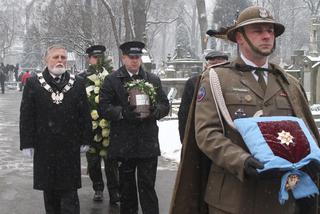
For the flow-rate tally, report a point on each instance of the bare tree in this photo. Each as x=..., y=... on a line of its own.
x=202, y=19
x=129, y=32
x=313, y=6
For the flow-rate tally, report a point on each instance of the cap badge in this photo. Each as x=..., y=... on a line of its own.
x=263, y=13
x=135, y=49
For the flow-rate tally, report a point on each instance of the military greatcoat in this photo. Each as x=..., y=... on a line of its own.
x=221, y=182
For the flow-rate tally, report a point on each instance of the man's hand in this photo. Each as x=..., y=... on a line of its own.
x=28, y=152
x=129, y=114
x=84, y=148
x=154, y=112
x=251, y=165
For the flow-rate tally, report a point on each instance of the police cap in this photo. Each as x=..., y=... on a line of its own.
x=95, y=50
x=132, y=48
x=216, y=54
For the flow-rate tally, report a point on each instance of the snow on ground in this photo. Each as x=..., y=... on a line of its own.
x=169, y=139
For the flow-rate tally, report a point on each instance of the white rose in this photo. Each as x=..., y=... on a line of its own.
x=94, y=114
x=97, y=83
x=105, y=142
x=103, y=153
x=105, y=132
x=96, y=90
x=103, y=123
x=97, y=138
x=96, y=99
x=94, y=125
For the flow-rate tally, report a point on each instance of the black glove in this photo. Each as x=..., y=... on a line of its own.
x=251, y=165
x=154, y=112
x=129, y=114
x=313, y=168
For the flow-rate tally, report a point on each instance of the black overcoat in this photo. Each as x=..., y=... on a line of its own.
x=55, y=131
x=138, y=139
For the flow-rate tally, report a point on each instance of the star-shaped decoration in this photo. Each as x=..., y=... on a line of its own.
x=285, y=137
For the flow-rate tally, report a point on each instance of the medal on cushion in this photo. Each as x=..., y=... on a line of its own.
x=57, y=96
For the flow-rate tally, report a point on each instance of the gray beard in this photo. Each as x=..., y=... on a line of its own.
x=57, y=71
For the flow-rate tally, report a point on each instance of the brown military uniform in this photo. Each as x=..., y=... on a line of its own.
x=228, y=189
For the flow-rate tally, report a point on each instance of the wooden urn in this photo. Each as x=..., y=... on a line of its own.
x=141, y=101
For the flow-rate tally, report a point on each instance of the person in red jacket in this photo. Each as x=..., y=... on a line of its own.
x=24, y=78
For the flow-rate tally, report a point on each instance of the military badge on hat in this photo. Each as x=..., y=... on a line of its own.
x=263, y=13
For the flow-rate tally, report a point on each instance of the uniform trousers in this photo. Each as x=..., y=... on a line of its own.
x=146, y=170
x=61, y=202
x=110, y=168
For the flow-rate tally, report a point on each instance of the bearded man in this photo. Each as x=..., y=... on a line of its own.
x=55, y=125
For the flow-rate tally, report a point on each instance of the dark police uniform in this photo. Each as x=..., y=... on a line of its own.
x=134, y=142
x=94, y=158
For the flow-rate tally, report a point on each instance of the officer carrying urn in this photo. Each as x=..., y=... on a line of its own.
x=98, y=151
x=134, y=134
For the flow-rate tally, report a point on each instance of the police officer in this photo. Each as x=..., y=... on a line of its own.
x=133, y=140
x=251, y=85
x=96, y=58
x=213, y=59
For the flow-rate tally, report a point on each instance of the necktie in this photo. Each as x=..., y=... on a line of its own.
x=261, y=80
x=136, y=77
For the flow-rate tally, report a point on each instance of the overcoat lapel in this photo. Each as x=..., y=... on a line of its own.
x=250, y=82
x=272, y=87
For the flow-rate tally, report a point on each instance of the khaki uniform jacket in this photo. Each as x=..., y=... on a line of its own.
x=223, y=183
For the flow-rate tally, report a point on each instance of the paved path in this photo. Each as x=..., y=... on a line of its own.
x=16, y=193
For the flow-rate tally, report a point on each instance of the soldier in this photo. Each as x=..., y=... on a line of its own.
x=96, y=152
x=55, y=126
x=134, y=140
x=230, y=182
x=213, y=59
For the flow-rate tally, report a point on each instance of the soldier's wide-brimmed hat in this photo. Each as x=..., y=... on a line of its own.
x=95, y=50
x=253, y=15
x=132, y=48
x=216, y=54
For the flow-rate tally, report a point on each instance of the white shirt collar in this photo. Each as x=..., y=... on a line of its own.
x=248, y=62
x=131, y=74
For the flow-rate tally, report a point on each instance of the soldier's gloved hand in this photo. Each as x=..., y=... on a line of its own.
x=28, y=152
x=84, y=148
x=129, y=114
x=154, y=112
x=314, y=167
x=251, y=165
